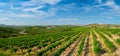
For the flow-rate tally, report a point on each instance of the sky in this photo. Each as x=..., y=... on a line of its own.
x=59, y=12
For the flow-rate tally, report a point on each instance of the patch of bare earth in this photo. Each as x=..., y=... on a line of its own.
x=19, y=52
x=7, y=52
x=107, y=50
x=86, y=48
x=100, y=45
x=51, y=52
x=91, y=46
x=75, y=52
x=114, y=36
x=117, y=51
x=24, y=52
x=70, y=50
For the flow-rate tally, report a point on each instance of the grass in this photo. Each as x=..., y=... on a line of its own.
x=118, y=41
x=58, y=52
x=97, y=48
x=81, y=45
x=110, y=45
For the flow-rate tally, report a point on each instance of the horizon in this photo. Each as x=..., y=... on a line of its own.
x=59, y=12
x=59, y=24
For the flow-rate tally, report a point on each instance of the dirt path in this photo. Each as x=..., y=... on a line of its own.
x=43, y=48
x=86, y=47
x=70, y=50
x=51, y=52
x=117, y=46
x=100, y=45
x=107, y=53
x=114, y=36
x=91, y=45
x=56, y=48
x=49, y=45
x=75, y=52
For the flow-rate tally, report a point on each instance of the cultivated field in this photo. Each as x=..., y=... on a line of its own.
x=79, y=41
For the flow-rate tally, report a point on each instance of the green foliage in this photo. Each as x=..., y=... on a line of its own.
x=15, y=49
x=6, y=47
x=108, y=34
x=81, y=45
x=108, y=42
x=29, y=50
x=58, y=52
x=2, y=54
x=118, y=41
x=6, y=32
x=34, y=40
x=97, y=47
x=51, y=37
x=53, y=45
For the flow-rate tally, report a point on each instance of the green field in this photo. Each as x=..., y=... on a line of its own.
x=62, y=40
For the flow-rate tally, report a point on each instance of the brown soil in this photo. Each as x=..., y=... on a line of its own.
x=117, y=46
x=91, y=46
x=115, y=36
x=35, y=48
x=107, y=50
x=100, y=45
x=51, y=52
x=19, y=52
x=70, y=50
x=86, y=48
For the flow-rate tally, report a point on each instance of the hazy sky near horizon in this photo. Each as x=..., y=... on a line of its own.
x=59, y=12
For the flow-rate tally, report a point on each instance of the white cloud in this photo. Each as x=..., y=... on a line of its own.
x=35, y=9
x=87, y=9
x=40, y=2
x=23, y=15
x=32, y=9
x=109, y=3
x=68, y=7
x=31, y=3
x=112, y=4
x=3, y=4
x=67, y=19
x=29, y=9
x=51, y=2
x=4, y=18
x=99, y=1
x=109, y=17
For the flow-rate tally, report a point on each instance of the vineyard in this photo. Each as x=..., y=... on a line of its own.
x=79, y=41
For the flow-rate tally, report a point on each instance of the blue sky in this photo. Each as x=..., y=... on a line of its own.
x=59, y=12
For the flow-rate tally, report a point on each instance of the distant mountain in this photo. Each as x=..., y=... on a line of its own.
x=104, y=25
x=11, y=26
x=2, y=25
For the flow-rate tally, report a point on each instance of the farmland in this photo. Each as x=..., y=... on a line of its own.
x=63, y=40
